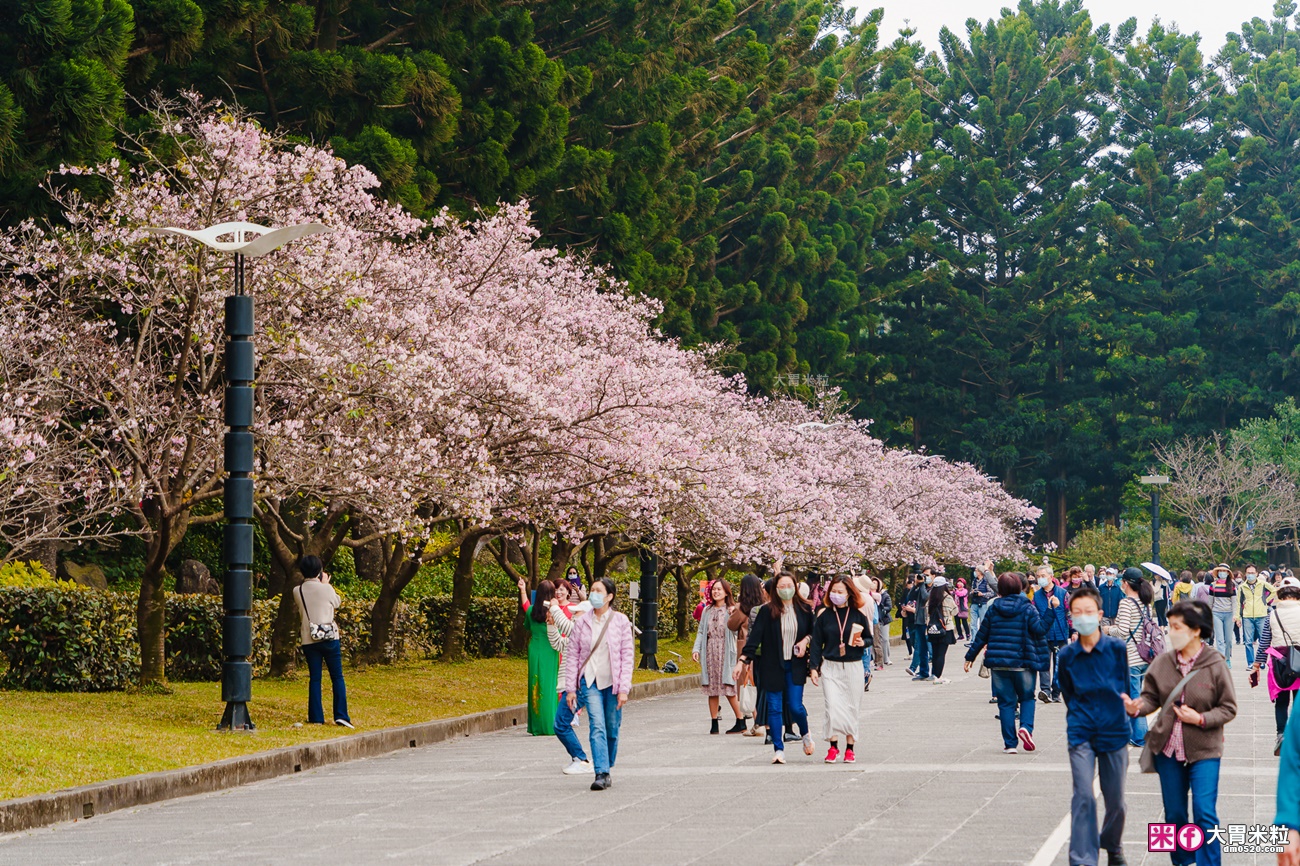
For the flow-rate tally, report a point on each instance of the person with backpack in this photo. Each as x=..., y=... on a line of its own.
x=1279, y=649
x=1192, y=688
x=1142, y=638
x=1223, y=601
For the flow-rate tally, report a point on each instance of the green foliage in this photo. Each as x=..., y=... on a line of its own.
x=61, y=91
x=1130, y=544
x=487, y=628
x=65, y=640
x=29, y=574
x=59, y=638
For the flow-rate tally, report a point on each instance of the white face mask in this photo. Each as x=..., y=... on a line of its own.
x=1043, y=581
x=1179, y=639
x=1251, y=577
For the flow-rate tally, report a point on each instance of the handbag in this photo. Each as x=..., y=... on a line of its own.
x=1286, y=670
x=1147, y=760
x=985, y=673
x=318, y=631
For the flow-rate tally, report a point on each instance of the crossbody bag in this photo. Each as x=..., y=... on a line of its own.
x=1147, y=760
x=600, y=638
x=318, y=631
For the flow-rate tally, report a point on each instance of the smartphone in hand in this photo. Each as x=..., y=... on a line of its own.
x=1254, y=678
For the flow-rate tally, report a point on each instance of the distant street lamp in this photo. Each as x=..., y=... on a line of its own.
x=237, y=541
x=1155, y=482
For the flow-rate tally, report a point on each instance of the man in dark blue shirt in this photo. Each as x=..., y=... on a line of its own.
x=1094, y=679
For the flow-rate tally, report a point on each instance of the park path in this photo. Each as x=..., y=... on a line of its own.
x=931, y=786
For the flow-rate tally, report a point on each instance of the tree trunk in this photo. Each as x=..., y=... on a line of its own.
x=289, y=538
x=151, y=606
x=462, y=593
x=683, y=599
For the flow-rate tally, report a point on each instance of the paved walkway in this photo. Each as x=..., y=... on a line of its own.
x=931, y=786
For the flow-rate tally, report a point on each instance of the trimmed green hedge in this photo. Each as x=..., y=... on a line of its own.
x=67, y=640
x=61, y=639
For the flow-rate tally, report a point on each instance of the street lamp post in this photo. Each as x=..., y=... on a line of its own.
x=237, y=540
x=1155, y=482
x=649, y=606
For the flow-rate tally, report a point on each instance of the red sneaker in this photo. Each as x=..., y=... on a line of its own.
x=832, y=754
x=1026, y=739
x=849, y=757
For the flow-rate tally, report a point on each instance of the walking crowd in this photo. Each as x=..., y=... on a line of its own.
x=1141, y=660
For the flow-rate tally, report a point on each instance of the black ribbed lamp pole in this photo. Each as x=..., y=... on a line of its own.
x=237, y=538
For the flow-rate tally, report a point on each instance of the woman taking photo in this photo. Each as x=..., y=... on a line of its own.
x=1014, y=638
x=599, y=665
x=840, y=633
x=1133, y=608
x=543, y=660
x=751, y=597
x=317, y=601
x=715, y=649
x=1192, y=688
x=778, y=644
x=942, y=614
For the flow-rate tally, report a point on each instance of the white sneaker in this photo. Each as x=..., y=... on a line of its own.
x=344, y=723
x=807, y=744
x=1010, y=750
x=578, y=768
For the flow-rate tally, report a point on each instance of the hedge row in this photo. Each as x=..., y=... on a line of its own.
x=60, y=639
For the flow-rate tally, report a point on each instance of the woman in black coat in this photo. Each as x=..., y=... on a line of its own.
x=778, y=649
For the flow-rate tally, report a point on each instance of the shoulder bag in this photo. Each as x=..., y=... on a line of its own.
x=318, y=631
x=1147, y=760
x=1286, y=669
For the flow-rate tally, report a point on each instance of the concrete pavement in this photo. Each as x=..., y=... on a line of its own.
x=931, y=786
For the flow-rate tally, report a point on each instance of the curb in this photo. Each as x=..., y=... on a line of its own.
x=87, y=801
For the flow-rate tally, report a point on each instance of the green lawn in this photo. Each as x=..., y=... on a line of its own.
x=60, y=740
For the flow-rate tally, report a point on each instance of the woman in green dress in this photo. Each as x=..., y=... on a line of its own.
x=543, y=660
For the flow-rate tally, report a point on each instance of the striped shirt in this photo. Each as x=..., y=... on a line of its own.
x=1175, y=748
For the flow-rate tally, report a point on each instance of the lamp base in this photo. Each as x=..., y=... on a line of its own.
x=236, y=718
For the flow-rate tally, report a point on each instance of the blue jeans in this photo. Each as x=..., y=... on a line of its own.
x=604, y=716
x=330, y=654
x=775, y=707
x=1202, y=779
x=1223, y=633
x=976, y=616
x=1251, y=626
x=1054, y=689
x=1012, y=689
x=1137, y=727
x=1085, y=840
x=564, y=727
x=920, y=651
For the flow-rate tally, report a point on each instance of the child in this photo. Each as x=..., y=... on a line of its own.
x=1094, y=680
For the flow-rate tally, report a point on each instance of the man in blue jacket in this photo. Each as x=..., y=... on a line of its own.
x=1049, y=600
x=1111, y=594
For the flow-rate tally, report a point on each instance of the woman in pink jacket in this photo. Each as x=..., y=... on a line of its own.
x=598, y=664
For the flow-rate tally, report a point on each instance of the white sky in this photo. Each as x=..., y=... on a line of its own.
x=1213, y=19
